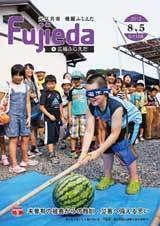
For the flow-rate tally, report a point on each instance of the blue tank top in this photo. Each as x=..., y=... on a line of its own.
x=129, y=111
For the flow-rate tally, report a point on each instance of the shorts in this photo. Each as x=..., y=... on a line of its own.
x=52, y=132
x=17, y=127
x=133, y=131
x=78, y=126
x=2, y=131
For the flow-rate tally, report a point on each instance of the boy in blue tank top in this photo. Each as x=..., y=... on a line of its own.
x=123, y=120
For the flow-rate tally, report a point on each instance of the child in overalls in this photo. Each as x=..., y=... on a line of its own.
x=20, y=115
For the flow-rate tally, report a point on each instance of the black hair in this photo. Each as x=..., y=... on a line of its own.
x=50, y=78
x=109, y=73
x=32, y=68
x=99, y=79
x=17, y=69
x=90, y=72
x=132, y=84
x=32, y=78
x=29, y=65
x=128, y=76
x=153, y=89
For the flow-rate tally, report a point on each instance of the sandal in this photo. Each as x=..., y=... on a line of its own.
x=29, y=163
x=17, y=169
x=5, y=161
x=133, y=187
x=74, y=155
x=104, y=183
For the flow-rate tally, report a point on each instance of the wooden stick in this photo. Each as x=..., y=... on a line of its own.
x=156, y=220
x=40, y=188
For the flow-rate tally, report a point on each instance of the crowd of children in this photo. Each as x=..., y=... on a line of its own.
x=43, y=112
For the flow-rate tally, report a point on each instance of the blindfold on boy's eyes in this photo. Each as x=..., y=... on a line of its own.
x=97, y=92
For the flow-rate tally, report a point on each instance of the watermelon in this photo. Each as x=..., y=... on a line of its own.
x=73, y=191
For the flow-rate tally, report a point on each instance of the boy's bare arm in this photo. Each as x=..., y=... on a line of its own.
x=61, y=113
x=44, y=110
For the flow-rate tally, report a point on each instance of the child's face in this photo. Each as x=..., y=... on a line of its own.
x=66, y=87
x=131, y=89
x=76, y=82
x=153, y=93
x=118, y=84
x=139, y=88
x=40, y=76
x=17, y=79
x=110, y=79
x=127, y=79
x=50, y=85
x=28, y=72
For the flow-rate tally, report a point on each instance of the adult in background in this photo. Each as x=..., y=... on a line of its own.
x=35, y=109
x=110, y=78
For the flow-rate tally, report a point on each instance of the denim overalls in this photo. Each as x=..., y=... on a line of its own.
x=18, y=114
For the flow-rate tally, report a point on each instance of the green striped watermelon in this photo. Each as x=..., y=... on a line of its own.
x=73, y=191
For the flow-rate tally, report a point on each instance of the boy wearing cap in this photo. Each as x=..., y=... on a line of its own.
x=77, y=110
x=139, y=99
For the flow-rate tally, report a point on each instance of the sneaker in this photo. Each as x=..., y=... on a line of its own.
x=105, y=182
x=35, y=150
x=137, y=141
x=52, y=157
x=41, y=143
x=133, y=187
x=141, y=138
x=31, y=155
x=17, y=169
x=5, y=161
x=63, y=146
x=29, y=163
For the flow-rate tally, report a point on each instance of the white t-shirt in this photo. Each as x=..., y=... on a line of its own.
x=21, y=88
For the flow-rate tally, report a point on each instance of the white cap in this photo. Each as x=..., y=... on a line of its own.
x=120, y=76
x=66, y=81
x=140, y=82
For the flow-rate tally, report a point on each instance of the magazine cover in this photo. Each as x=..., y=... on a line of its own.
x=79, y=113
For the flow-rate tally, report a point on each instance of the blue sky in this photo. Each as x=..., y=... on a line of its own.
x=106, y=35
